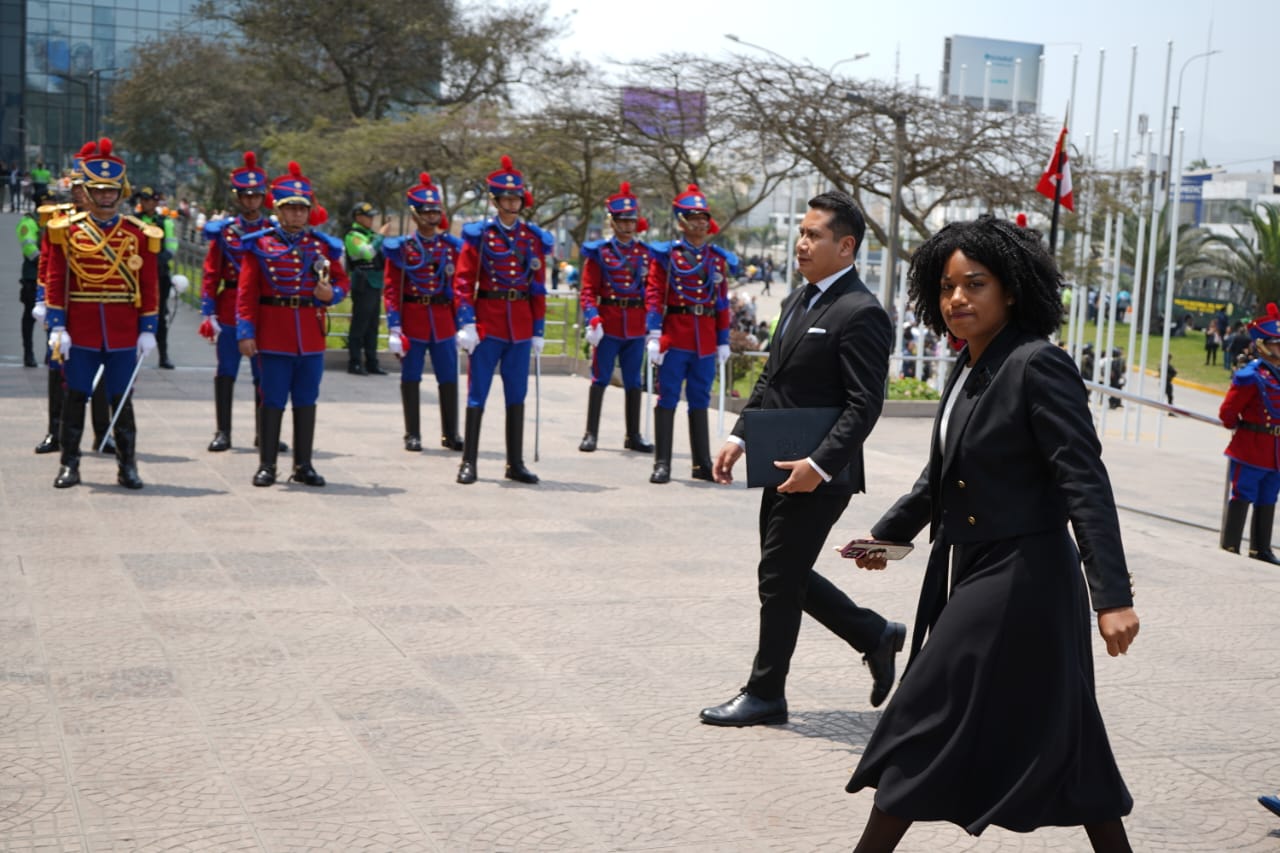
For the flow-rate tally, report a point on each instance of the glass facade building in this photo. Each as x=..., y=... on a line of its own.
x=58, y=62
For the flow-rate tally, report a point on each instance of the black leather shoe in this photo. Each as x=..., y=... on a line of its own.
x=520, y=474
x=881, y=661
x=29, y=361
x=49, y=445
x=454, y=443
x=109, y=449
x=1266, y=556
x=637, y=443
x=661, y=474
x=467, y=473
x=746, y=710
x=306, y=475
x=68, y=476
x=357, y=370
x=221, y=441
x=1271, y=804
x=127, y=476
x=166, y=364
x=413, y=443
x=702, y=472
x=266, y=476
x=588, y=444
x=375, y=370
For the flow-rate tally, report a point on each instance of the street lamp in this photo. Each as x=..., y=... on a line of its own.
x=1173, y=122
x=736, y=40
x=899, y=118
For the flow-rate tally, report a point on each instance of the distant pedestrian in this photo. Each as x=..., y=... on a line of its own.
x=1212, y=340
x=1170, y=372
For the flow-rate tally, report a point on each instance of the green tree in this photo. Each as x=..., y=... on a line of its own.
x=1192, y=242
x=1250, y=256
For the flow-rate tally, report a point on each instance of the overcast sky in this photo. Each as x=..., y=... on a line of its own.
x=1238, y=126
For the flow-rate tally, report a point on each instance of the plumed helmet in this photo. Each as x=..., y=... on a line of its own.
x=692, y=200
x=622, y=204
x=1267, y=327
x=249, y=178
x=509, y=181
x=102, y=168
x=293, y=187
x=424, y=195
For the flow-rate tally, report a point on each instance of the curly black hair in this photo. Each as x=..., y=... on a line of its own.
x=1017, y=257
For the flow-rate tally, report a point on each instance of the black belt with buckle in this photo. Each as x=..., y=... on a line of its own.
x=229, y=284
x=1262, y=428
x=622, y=302
x=411, y=299
x=286, y=301
x=506, y=295
x=695, y=310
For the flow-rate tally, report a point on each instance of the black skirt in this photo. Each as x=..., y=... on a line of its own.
x=995, y=720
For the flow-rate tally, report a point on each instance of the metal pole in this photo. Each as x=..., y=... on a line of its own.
x=1136, y=297
x=1017, y=81
x=1149, y=291
x=1175, y=190
x=895, y=213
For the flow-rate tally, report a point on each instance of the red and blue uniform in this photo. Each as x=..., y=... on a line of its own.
x=613, y=289
x=418, y=295
x=1252, y=409
x=220, y=282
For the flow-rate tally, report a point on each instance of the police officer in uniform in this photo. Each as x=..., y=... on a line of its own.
x=501, y=297
x=289, y=274
x=102, y=299
x=218, y=283
x=688, y=320
x=148, y=201
x=1251, y=410
x=612, y=299
x=418, y=291
x=364, y=262
x=29, y=242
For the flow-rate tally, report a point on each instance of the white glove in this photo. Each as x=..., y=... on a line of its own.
x=146, y=343
x=60, y=341
x=655, y=351
x=39, y=311
x=394, y=345
x=539, y=343
x=722, y=353
x=217, y=327
x=180, y=283
x=595, y=333
x=468, y=337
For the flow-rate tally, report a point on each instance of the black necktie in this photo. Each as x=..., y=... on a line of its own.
x=795, y=319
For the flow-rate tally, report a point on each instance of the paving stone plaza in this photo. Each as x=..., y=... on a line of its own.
x=399, y=663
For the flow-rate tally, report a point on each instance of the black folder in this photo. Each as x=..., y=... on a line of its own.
x=786, y=435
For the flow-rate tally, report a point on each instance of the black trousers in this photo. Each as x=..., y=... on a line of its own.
x=162, y=321
x=793, y=532
x=366, y=304
x=28, y=297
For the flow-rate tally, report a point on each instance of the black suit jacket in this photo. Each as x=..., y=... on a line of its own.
x=1021, y=456
x=841, y=360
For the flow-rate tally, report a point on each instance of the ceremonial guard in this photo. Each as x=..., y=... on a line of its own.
x=418, y=291
x=1251, y=410
x=102, y=298
x=218, y=287
x=364, y=266
x=501, y=297
x=688, y=320
x=148, y=201
x=612, y=299
x=289, y=274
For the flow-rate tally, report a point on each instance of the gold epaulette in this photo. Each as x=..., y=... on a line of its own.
x=154, y=234
x=45, y=212
x=56, y=228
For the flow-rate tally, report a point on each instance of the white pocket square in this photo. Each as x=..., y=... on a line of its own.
x=814, y=330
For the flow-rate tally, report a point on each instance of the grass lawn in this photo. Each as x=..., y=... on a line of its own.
x=1187, y=353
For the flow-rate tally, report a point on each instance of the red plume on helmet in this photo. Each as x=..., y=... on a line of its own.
x=104, y=146
x=424, y=178
x=250, y=159
x=317, y=216
x=713, y=228
x=642, y=225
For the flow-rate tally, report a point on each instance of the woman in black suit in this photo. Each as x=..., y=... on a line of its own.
x=995, y=720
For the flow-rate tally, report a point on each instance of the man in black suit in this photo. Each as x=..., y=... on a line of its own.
x=830, y=350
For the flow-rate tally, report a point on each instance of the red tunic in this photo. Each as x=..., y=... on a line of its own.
x=100, y=281
x=695, y=283
x=497, y=262
x=417, y=289
x=221, y=274
x=282, y=269
x=1254, y=397
x=613, y=286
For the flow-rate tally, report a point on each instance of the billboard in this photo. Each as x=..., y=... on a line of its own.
x=965, y=76
x=665, y=113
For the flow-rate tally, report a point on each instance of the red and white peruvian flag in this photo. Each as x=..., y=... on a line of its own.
x=1058, y=175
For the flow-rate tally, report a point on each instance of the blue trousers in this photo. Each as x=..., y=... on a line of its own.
x=1256, y=485
x=696, y=374
x=511, y=359
x=295, y=377
x=229, y=355
x=118, y=364
x=627, y=352
x=444, y=361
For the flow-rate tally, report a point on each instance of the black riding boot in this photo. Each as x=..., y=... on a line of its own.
x=257, y=420
x=126, y=444
x=515, y=447
x=72, y=429
x=223, y=392
x=56, y=393
x=1260, y=534
x=101, y=420
x=664, y=427
x=470, y=446
x=410, y=400
x=269, y=421
x=700, y=445
x=448, y=396
x=304, y=436
x=595, y=400
x=1233, y=516
x=634, y=440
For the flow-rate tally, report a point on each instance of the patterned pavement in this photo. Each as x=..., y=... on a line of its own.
x=398, y=663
